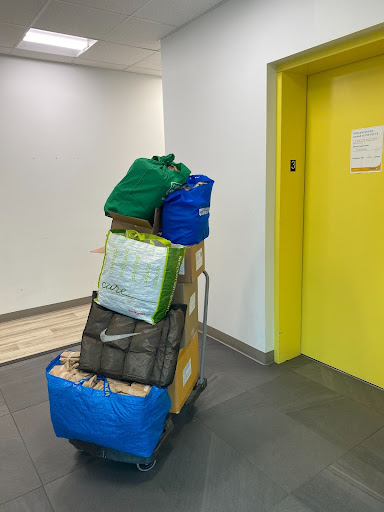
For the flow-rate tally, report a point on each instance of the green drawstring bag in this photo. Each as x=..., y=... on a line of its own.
x=145, y=187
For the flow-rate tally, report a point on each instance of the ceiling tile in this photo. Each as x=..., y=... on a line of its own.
x=77, y=20
x=151, y=62
x=96, y=64
x=20, y=12
x=11, y=34
x=4, y=50
x=175, y=12
x=154, y=72
x=115, y=53
x=41, y=56
x=119, y=6
x=136, y=32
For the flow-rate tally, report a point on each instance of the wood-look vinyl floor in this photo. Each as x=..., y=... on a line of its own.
x=41, y=333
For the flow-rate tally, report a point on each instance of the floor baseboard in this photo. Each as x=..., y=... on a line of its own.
x=45, y=352
x=41, y=310
x=264, y=358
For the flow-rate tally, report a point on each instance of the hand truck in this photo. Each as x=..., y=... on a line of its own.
x=147, y=463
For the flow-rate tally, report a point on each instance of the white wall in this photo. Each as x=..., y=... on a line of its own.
x=215, y=107
x=68, y=134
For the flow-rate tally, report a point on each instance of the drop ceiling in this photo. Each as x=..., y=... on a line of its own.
x=128, y=31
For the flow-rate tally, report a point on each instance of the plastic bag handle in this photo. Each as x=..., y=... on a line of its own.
x=143, y=237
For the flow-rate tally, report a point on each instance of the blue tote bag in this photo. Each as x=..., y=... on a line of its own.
x=131, y=424
x=186, y=212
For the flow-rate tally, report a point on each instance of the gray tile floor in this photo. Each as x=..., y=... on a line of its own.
x=298, y=437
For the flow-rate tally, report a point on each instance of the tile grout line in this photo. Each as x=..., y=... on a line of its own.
x=6, y=404
x=336, y=370
x=328, y=467
x=127, y=17
x=343, y=394
x=281, y=501
x=323, y=401
x=247, y=391
x=358, y=444
x=49, y=501
x=301, y=501
x=355, y=483
x=95, y=461
x=42, y=483
x=105, y=10
x=224, y=401
x=305, y=426
x=310, y=429
x=371, y=435
x=242, y=456
x=29, y=455
x=28, y=406
x=43, y=8
x=5, y=401
x=24, y=494
x=340, y=396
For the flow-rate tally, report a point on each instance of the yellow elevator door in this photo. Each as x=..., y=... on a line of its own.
x=343, y=249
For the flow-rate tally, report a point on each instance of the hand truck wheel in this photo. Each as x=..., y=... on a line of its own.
x=146, y=467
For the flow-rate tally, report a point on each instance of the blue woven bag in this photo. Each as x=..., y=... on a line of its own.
x=186, y=212
x=131, y=424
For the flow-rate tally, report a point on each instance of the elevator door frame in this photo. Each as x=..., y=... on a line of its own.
x=291, y=115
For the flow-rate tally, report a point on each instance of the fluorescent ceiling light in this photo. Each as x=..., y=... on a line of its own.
x=53, y=42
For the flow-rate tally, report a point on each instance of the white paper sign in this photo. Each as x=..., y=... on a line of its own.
x=199, y=259
x=182, y=268
x=192, y=303
x=187, y=372
x=367, y=149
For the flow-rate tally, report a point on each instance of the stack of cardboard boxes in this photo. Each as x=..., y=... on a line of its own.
x=186, y=292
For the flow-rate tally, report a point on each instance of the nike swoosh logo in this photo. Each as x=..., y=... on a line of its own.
x=114, y=337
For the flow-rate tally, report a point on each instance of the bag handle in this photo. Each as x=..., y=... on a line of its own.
x=166, y=160
x=146, y=237
x=75, y=384
x=106, y=387
x=196, y=178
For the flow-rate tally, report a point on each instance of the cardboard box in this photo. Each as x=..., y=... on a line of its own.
x=186, y=293
x=187, y=373
x=193, y=264
x=194, y=260
x=140, y=225
x=100, y=250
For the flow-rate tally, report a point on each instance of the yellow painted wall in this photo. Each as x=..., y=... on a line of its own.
x=291, y=118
